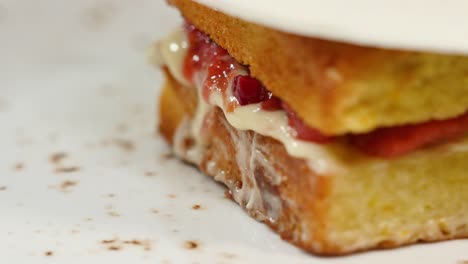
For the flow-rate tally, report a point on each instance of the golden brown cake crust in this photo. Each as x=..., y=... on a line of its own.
x=336, y=87
x=310, y=208
x=303, y=218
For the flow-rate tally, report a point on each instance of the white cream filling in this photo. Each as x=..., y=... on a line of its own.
x=171, y=52
x=250, y=117
x=275, y=124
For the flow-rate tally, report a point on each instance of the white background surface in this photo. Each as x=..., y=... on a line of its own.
x=73, y=79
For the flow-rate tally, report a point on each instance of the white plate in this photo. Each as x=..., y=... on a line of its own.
x=73, y=79
x=432, y=25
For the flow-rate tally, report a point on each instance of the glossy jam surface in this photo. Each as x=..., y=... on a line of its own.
x=395, y=141
x=248, y=90
x=210, y=64
x=201, y=51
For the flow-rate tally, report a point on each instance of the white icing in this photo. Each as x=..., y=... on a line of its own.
x=428, y=25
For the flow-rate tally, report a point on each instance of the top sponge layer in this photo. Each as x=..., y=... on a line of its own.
x=336, y=87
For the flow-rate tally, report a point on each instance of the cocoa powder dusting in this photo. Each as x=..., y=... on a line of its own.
x=18, y=166
x=108, y=241
x=117, y=244
x=133, y=242
x=191, y=244
x=114, y=248
x=145, y=244
x=149, y=173
x=58, y=157
x=69, y=169
x=67, y=184
x=124, y=144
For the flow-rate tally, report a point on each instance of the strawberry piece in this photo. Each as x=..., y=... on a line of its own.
x=396, y=141
x=248, y=90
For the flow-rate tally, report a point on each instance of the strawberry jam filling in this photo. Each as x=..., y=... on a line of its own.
x=218, y=71
x=395, y=141
x=248, y=90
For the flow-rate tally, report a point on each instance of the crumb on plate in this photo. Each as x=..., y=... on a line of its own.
x=190, y=244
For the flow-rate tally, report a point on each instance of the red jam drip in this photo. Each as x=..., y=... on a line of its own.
x=200, y=52
x=248, y=90
x=392, y=142
x=206, y=57
x=302, y=131
x=216, y=69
